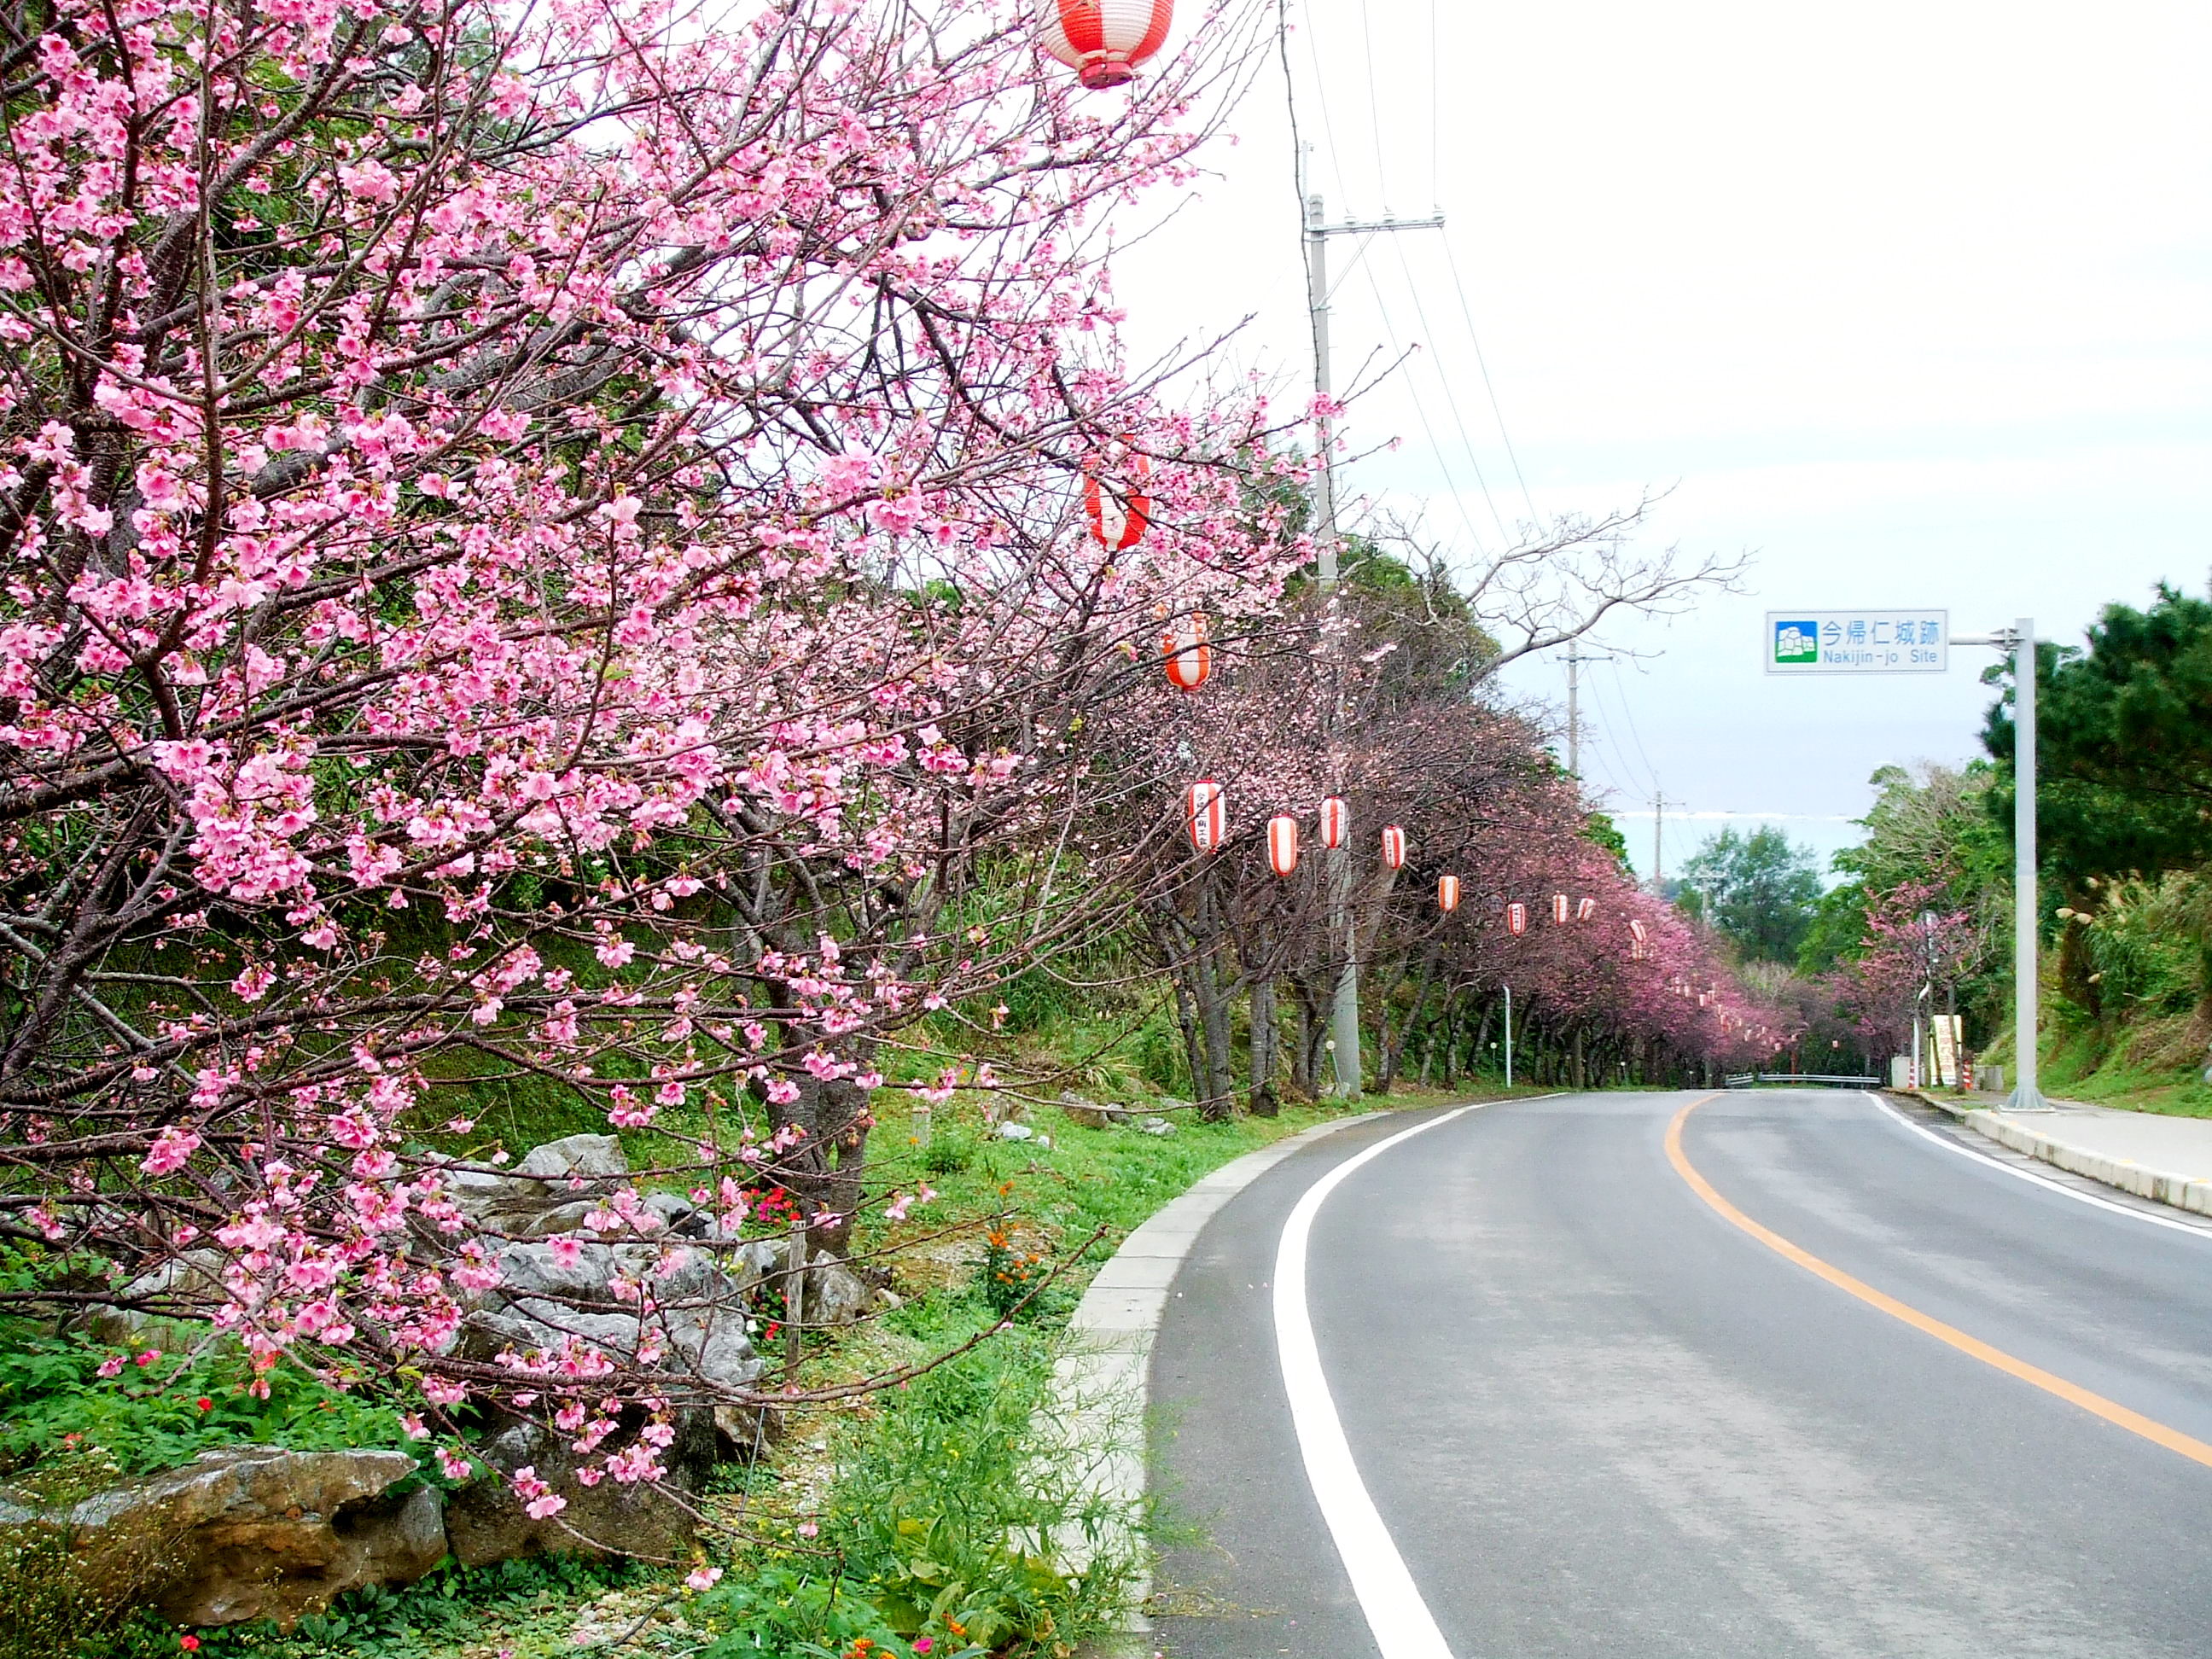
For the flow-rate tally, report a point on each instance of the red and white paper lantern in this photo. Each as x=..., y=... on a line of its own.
x=1205, y=812
x=1119, y=514
x=1282, y=844
x=1637, y=930
x=1189, y=657
x=1104, y=41
x=1448, y=893
x=1585, y=909
x=1393, y=848
x=1335, y=816
x=1516, y=917
x=1559, y=907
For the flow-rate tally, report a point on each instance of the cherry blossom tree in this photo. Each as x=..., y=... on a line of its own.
x=546, y=547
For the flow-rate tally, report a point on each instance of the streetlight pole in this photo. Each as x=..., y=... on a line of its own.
x=1509, y=1036
x=1343, y=922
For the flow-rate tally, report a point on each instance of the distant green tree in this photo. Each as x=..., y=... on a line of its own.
x=1837, y=930
x=1601, y=830
x=1761, y=890
x=2125, y=744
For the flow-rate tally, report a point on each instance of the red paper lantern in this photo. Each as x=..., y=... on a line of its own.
x=1118, y=515
x=1448, y=893
x=1189, y=658
x=1334, y=817
x=1205, y=812
x=1585, y=909
x=1559, y=907
x=1104, y=41
x=1638, y=929
x=1516, y=917
x=1394, y=847
x=1282, y=844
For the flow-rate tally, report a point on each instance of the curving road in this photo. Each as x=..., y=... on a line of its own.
x=1902, y=1402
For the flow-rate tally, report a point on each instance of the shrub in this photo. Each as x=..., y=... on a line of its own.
x=158, y=1410
x=952, y=1522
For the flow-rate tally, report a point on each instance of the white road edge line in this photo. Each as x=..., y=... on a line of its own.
x=2058, y=1187
x=1400, y=1620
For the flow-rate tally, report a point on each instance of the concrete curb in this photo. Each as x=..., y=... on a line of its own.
x=1102, y=1386
x=2182, y=1192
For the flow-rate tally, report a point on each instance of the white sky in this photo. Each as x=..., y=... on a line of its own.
x=1912, y=301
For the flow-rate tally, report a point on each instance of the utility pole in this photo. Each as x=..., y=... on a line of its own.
x=1575, y=660
x=1344, y=923
x=1658, y=820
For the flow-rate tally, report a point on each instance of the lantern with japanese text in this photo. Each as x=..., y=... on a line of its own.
x=1393, y=848
x=1119, y=514
x=1205, y=812
x=1516, y=917
x=1189, y=657
x=1282, y=844
x=1104, y=41
x=1334, y=817
x=1559, y=907
x=1585, y=909
x=1448, y=893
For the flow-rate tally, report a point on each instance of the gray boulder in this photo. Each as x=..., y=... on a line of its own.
x=1095, y=1114
x=484, y=1521
x=249, y=1532
x=569, y=1174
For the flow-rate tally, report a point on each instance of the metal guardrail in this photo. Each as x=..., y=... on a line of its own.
x=1747, y=1079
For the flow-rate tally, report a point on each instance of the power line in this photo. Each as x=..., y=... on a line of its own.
x=1468, y=313
x=1459, y=501
x=1452, y=398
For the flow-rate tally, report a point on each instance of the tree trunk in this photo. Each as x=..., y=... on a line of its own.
x=1264, y=1101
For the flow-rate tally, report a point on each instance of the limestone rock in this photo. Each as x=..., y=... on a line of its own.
x=485, y=1522
x=257, y=1532
x=1095, y=1114
x=193, y=1279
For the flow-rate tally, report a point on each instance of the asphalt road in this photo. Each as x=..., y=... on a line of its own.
x=1597, y=1418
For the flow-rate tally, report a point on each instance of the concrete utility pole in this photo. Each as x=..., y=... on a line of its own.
x=1344, y=924
x=1658, y=819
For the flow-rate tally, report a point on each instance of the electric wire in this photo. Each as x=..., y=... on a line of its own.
x=1451, y=398
x=1467, y=312
x=1435, y=448
x=1373, y=106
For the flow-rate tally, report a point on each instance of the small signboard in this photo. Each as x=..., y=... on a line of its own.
x=1873, y=641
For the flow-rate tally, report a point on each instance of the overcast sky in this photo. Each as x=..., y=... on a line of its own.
x=1913, y=302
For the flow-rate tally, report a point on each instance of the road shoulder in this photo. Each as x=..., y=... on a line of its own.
x=2096, y=1141
x=1101, y=1387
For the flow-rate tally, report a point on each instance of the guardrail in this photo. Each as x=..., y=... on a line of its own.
x=1747, y=1079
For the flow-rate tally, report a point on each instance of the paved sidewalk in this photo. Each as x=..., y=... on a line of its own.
x=2147, y=1153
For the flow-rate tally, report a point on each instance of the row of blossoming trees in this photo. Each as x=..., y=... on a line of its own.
x=545, y=545
x=1378, y=695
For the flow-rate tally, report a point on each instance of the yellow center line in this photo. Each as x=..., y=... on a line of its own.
x=2073, y=1394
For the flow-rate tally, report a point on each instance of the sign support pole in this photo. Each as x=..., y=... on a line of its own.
x=1878, y=642
x=2027, y=908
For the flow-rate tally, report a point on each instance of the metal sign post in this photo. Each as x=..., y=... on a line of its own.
x=1908, y=641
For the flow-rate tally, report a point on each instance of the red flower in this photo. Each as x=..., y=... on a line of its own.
x=205, y=1404
x=189, y=1643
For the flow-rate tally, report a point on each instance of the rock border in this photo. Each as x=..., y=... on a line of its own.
x=1101, y=1388
x=2179, y=1191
